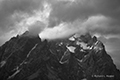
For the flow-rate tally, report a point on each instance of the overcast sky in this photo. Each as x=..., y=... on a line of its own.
x=99, y=17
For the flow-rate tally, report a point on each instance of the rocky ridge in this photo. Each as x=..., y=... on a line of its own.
x=76, y=58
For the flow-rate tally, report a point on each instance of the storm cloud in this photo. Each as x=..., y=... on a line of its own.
x=84, y=9
x=62, y=11
x=9, y=7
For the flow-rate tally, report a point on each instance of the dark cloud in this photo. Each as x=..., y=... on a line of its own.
x=86, y=8
x=83, y=9
x=9, y=7
x=66, y=11
x=63, y=11
x=109, y=8
x=35, y=29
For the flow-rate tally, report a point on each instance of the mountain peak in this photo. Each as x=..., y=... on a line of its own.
x=76, y=58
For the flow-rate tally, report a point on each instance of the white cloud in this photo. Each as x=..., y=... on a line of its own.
x=57, y=32
x=96, y=22
x=109, y=36
x=66, y=29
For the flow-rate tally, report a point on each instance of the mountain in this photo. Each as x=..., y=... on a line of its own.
x=75, y=58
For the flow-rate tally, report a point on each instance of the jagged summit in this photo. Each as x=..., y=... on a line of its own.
x=76, y=58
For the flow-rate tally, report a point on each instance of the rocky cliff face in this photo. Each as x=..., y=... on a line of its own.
x=76, y=58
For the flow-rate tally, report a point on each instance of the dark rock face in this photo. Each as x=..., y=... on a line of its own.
x=76, y=58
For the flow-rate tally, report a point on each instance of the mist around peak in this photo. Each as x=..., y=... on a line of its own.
x=67, y=29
